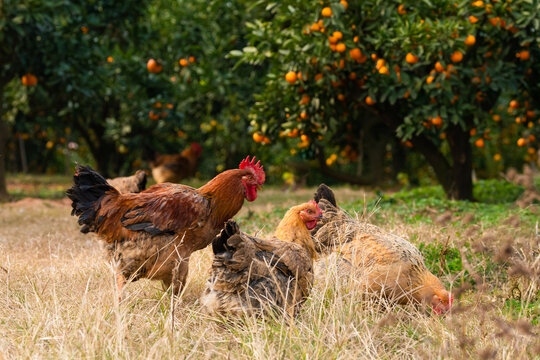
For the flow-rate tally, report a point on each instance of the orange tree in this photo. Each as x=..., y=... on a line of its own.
x=434, y=73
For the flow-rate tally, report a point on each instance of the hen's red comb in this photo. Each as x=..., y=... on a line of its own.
x=257, y=167
x=313, y=202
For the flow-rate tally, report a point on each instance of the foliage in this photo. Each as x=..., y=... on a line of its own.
x=440, y=83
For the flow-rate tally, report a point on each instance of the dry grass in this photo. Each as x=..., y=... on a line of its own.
x=58, y=299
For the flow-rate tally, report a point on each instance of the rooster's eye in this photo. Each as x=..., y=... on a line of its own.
x=310, y=211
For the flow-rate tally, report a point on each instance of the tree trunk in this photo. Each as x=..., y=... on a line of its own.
x=455, y=177
x=4, y=196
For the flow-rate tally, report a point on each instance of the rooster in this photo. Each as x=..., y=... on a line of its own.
x=382, y=263
x=176, y=167
x=153, y=233
x=250, y=274
x=129, y=184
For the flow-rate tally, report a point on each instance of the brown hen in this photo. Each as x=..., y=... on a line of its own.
x=129, y=184
x=153, y=233
x=176, y=167
x=250, y=274
x=381, y=263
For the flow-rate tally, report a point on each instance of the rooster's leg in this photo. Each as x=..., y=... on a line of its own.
x=120, y=282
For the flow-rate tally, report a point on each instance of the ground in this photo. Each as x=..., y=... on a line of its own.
x=59, y=292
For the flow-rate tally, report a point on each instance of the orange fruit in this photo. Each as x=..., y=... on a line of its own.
x=430, y=79
x=318, y=77
x=457, y=56
x=514, y=104
x=84, y=29
x=303, y=115
x=523, y=55
x=170, y=106
x=496, y=118
x=332, y=40
x=258, y=137
x=344, y=3
x=369, y=101
x=473, y=19
x=153, y=116
x=470, y=40
x=384, y=70
x=479, y=143
x=478, y=3
x=192, y=59
x=341, y=47
x=439, y=67
x=521, y=142
x=338, y=35
x=315, y=27
x=437, y=121
x=183, y=62
x=411, y=59
x=153, y=66
x=497, y=157
x=326, y=12
x=531, y=150
x=355, y=39
x=305, y=100
x=29, y=80
x=110, y=59
x=355, y=54
x=401, y=10
x=291, y=77
x=472, y=132
x=532, y=138
x=341, y=97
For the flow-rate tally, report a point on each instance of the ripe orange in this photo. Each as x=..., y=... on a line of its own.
x=29, y=80
x=153, y=116
x=183, y=62
x=355, y=39
x=110, y=59
x=496, y=118
x=470, y=40
x=457, y=56
x=341, y=47
x=355, y=54
x=521, y=142
x=437, y=120
x=258, y=137
x=514, y=104
x=332, y=39
x=478, y=3
x=430, y=79
x=291, y=77
x=303, y=115
x=384, y=70
x=352, y=76
x=531, y=150
x=341, y=97
x=532, y=138
x=326, y=12
x=473, y=19
x=472, y=132
x=369, y=100
x=411, y=59
x=523, y=55
x=479, y=143
x=192, y=59
x=304, y=138
x=344, y=3
x=401, y=10
x=315, y=27
x=497, y=157
x=318, y=77
x=153, y=66
x=338, y=35
x=439, y=67
x=305, y=100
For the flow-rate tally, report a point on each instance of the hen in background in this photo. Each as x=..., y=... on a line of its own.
x=250, y=274
x=380, y=262
x=129, y=184
x=153, y=233
x=176, y=167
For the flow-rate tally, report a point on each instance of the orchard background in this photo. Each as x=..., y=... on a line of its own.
x=362, y=92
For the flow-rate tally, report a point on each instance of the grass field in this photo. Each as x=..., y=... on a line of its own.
x=58, y=292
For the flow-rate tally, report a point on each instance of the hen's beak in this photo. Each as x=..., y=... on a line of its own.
x=321, y=216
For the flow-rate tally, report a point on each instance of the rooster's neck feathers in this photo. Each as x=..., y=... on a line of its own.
x=226, y=194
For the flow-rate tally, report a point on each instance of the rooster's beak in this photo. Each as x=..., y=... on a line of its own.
x=259, y=187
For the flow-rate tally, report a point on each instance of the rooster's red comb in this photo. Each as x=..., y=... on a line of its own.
x=257, y=168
